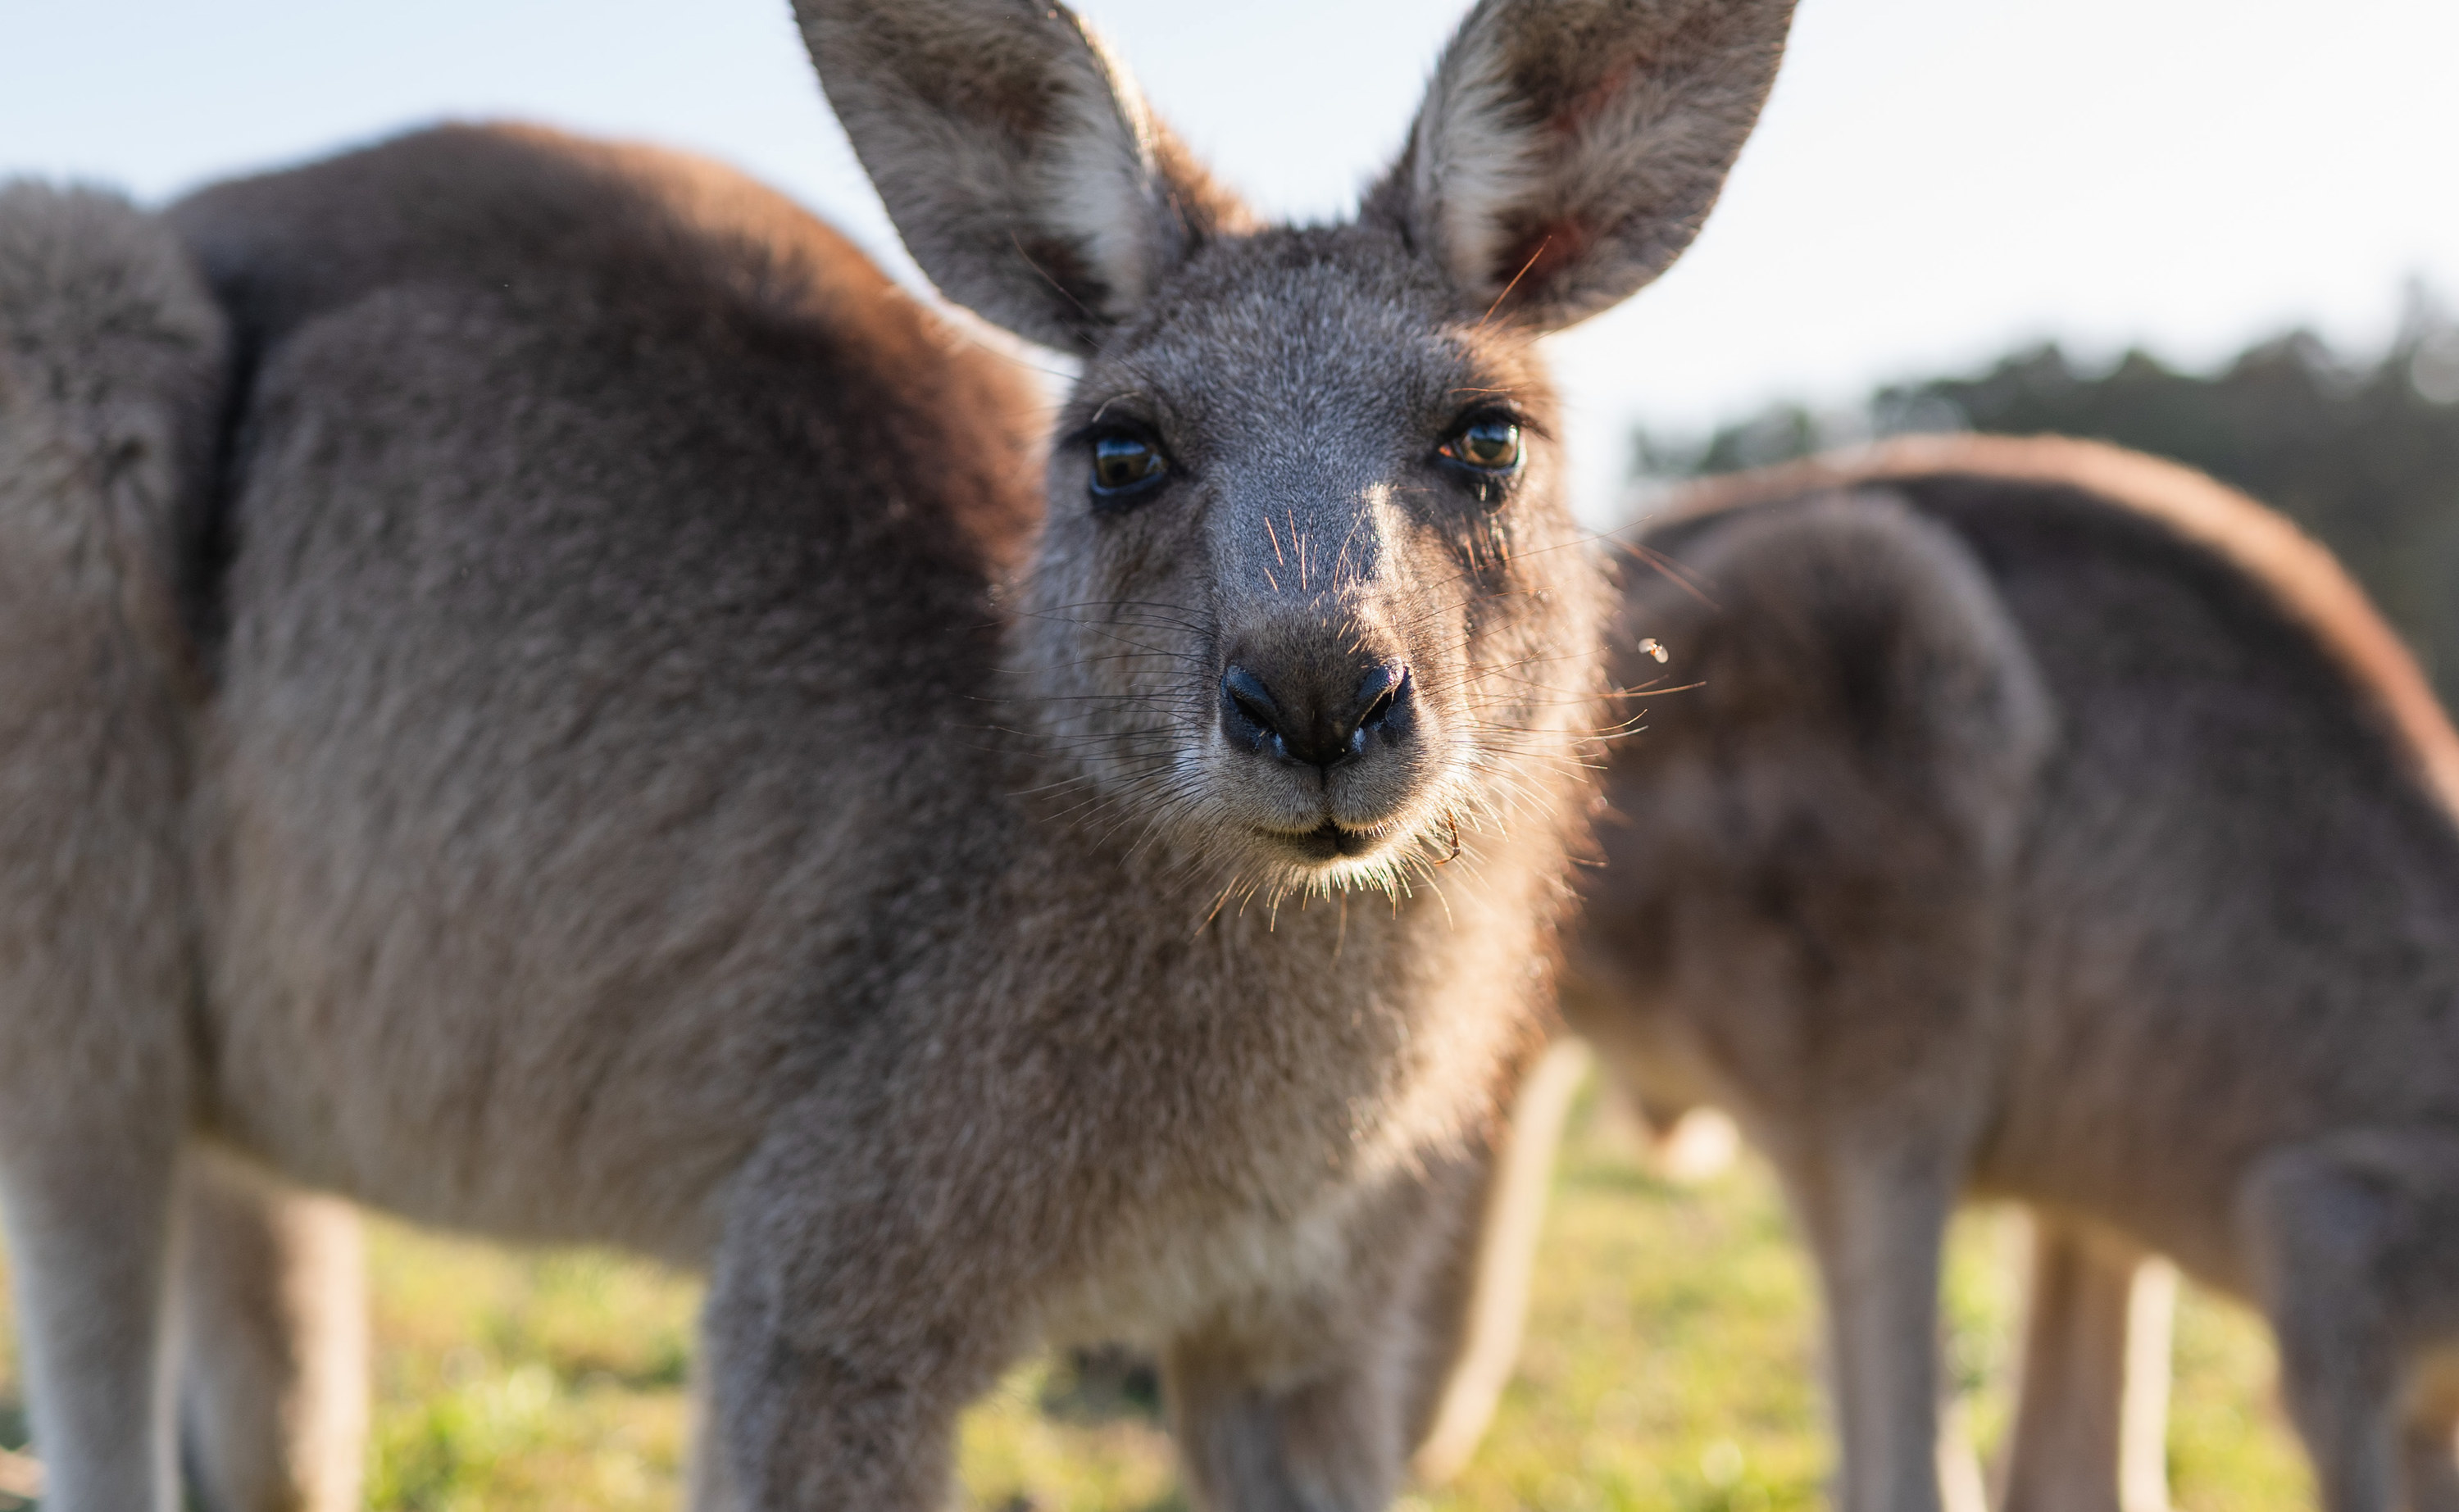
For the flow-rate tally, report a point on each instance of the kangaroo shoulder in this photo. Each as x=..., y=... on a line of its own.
x=1836, y=620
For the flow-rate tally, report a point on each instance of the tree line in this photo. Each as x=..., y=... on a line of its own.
x=2362, y=451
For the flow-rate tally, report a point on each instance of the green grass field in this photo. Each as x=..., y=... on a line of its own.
x=1670, y=1367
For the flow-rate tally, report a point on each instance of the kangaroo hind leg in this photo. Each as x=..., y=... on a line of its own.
x=1877, y=1227
x=273, y=1335
x=2094, y=1403
x=2430, y=1439
x=2351, y=1238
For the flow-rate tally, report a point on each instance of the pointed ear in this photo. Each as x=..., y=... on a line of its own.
x=1016, y=157
x=1568, y=150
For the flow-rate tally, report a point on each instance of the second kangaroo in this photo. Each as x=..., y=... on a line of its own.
x=2054, y=823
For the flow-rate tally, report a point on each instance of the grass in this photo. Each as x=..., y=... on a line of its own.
x=1670, y=1367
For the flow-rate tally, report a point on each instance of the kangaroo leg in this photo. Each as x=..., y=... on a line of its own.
x=2143, y=1420
x=2090, y=1383
x=1327, y=1441
x=88, y=1241
x=273, y=1327
x=711, y=1473
x=2429, y=1440
x=1877, y=1227
x=1311, y=1403
x=2350, y=1239
x=855, y=1306
x=1479, y=1302
x=2063, y=1454
x=1961, y=1485
x=801, y=1420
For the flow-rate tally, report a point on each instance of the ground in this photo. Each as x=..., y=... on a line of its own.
x=1670, y=1367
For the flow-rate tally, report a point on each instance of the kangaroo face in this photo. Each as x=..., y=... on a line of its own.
x=1308, y=603
x=1308, y=609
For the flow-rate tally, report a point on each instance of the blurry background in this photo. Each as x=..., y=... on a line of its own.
x=2227, y=230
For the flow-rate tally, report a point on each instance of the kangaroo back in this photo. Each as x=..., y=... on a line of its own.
x=1835, y=752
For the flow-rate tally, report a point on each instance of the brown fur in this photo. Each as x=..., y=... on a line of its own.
x=2091, y=1405
x=2050, y=823
x=612, y=749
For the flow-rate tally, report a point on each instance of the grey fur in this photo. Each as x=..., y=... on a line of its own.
x=2050, y=823
x=110, y=374
x=593, y=738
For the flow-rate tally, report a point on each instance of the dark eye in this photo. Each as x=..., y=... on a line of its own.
x=1126, y=463
x=1489, y=445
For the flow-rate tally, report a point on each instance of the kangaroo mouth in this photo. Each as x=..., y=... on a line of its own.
x=1328, y=841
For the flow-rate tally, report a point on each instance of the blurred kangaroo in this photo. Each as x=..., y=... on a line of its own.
x=2090, y=1432
x=535, y=692
x=2047, y=822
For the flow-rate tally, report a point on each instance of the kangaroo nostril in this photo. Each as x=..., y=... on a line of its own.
x=1309, y=724
x=1378, y=692
x=1251, y=695
x=1382, y=706
x=1247, y=708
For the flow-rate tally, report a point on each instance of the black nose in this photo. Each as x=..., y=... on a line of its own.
x=1297, y=719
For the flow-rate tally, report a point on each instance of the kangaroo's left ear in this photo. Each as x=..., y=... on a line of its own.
x=1568, y=150
x=1017, y=159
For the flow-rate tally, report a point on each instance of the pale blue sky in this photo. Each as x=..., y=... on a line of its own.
x=1934, y=180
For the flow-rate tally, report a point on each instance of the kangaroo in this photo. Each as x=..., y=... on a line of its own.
x=537, y=693
x=2051, y=823
x=2091, y=1420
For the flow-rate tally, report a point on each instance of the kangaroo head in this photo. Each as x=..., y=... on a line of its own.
x=1307, y=606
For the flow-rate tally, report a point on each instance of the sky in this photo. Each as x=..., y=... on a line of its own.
x=1934, y=180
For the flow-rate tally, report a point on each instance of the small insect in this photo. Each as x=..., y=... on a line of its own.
x=1652, y=649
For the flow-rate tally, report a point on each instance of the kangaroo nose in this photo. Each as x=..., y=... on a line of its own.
x=1309, y=725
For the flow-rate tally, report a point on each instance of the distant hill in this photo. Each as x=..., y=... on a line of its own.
x=2363, y=454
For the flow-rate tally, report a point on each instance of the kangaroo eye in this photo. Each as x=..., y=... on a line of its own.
x=1489, y=446
x=1126, y=463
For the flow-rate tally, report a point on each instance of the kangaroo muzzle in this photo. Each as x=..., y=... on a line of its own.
x=1303, y=718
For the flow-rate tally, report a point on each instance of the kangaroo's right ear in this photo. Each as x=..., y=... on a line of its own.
x=1568, y=149
x=1016, y=157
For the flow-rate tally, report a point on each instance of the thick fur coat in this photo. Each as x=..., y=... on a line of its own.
x=545, y=699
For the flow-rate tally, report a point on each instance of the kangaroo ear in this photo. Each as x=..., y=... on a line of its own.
x=1568, y=150
x=1016, y=157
